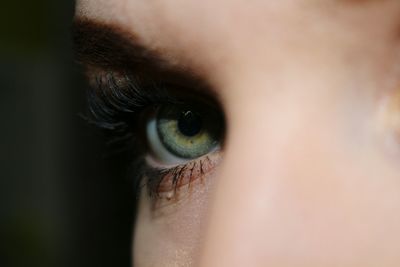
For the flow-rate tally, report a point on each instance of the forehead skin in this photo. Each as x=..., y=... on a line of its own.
x=209, y=33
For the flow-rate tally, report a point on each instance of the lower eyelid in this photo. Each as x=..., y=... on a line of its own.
x=165, y=183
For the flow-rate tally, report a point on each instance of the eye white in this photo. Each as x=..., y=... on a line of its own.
x=158, y=150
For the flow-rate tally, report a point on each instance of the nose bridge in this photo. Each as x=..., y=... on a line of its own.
x=277, y=152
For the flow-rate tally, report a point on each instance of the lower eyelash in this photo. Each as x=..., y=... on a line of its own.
x=165, y=183
x=116, y=108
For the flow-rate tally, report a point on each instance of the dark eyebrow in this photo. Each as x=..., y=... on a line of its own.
x=111, y=47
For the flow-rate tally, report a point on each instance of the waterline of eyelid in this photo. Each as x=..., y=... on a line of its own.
x=155, y=163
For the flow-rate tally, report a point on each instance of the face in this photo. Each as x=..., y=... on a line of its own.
x=262, y=133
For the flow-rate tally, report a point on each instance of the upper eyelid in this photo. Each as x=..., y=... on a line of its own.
x=102, y=92
x=113, y=95
x=172, y=87
x=117, y=109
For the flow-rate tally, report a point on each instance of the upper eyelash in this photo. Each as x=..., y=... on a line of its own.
x=112, y=106
x=115, y=109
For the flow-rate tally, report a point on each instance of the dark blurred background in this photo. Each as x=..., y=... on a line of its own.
x=59, y=205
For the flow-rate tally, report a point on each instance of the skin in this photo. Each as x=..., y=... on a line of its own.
x=310, y=169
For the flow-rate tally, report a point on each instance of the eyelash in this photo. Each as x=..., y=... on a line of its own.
x=165, y=182
x=117, y=109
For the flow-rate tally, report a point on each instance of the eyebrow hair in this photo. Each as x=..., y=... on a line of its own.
x=107, y=47
x=111, y=47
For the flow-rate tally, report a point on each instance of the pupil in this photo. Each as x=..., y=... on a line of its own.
x=189, y=123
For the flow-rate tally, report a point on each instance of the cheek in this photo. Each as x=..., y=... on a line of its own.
x=171, y=233
x=300, y=181
x=314, y=183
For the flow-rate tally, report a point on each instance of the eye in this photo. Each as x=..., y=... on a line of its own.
x=180, y=133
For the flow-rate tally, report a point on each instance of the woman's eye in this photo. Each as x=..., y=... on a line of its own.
x=179, y=133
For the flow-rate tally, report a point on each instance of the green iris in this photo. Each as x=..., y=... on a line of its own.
x=189, y=132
